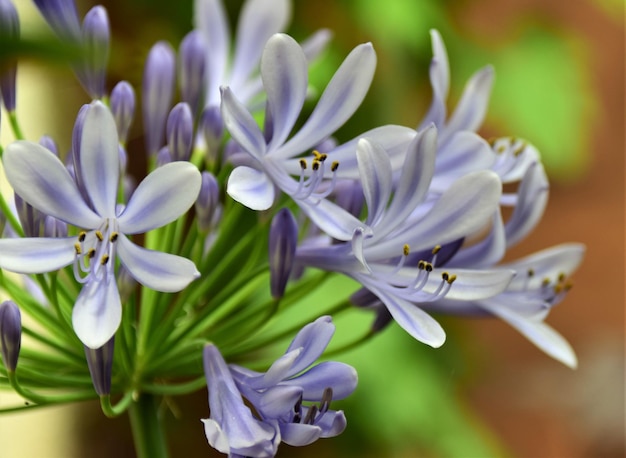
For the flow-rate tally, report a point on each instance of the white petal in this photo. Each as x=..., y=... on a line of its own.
x=315, y=44
x=258, y=21
x=251, y=188
x=419, y=324
x=210, y=18
x=340, y=99
x=155, y=269
x=284, y=72
x=41, y=179
x=99, y=159
x=163, y=196
x=36, y=255
x=97, y=312
x=487, y=252
x=241, y=125
x=465, y=152
x=539, y=333
x=332, y=219
x=376, y=179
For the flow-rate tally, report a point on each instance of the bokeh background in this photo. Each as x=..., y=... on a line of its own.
x=487, y=392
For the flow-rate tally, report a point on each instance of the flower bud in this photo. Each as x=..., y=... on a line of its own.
x=158, y=91
x=282, y=249
x=9, y=30
x=163, y=156
x=61, y=16
x=191, y=68
x=96, y=41
x=212, y=128
x=207, y=202
x=47, y=142
x=10, y=334
x=100, y=362
x=30, y=218
x=123, y=108
x=53, y=227
x=180, y=132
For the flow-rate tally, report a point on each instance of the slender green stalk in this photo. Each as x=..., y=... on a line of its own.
x=148, y=433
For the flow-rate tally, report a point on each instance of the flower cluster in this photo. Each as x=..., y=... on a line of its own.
x=237, y=220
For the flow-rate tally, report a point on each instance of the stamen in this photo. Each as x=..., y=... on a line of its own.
x=310, y=416
x=303, y=164
x=406, y=249
x=91, y=253
x=81, y=236
x=435, y=250
x=114, y=236
x=315, y=165
x=78, y=249
x=104, y=259
x=99, y=236
x=334, y=166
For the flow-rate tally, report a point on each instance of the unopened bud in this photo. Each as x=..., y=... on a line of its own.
x=207, y=202
x=180, y=132
x=123, y=108
x=9, y=31
x=283, y=241
x=96, y=38
x=100, y=362
x=10, y=334
x=191, y=68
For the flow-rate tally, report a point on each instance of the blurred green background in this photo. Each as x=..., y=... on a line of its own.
x=487, y=392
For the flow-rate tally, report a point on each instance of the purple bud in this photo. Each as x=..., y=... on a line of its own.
x=96, y=40
x=179, y=132
x=9, y=30
x=282, y=249
x=30, y=218
x=123, y=108
x=53, y=227
x=158, y=91
x=10, y=334
x=100, y=362
x=212, y=128
x=77, y=134
x=191, y=67
x=208, y=201
x=48, y=142
x=163, y=156
x=61, y=15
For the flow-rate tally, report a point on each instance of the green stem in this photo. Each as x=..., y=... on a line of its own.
x=148, y=433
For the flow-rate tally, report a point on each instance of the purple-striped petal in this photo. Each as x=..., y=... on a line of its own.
x=97, y=312
x=440, y=81
x=376, y=179
x=241, y=125
x=100, y=159
x=284, y=73
x=251, y=188
x=41, y=179
x=155, y=269
x=163, y=196
x=341, y=377
x=36, y=255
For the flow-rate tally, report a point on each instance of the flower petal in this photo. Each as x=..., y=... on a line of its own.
x=41, y=179
x=241, y=125
x=36, y=255
x=299, y=434
x=155, y=269
x=341, y=377
x=340, y=99
x=251, y=188
x=332, y=219
x=258, y=21
x=99, y=159
x=440, y=81
x=97, y=312
x=313, y=339
x=164, y=195
x=284, y=72
x=376, y=179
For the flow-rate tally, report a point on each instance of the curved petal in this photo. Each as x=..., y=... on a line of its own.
x=340, y=99
x=284, y=73
x=36, y=255
x=258, y=21
x=210, y=19
x=99, y=159
x=415, y=178
x=155, y=269
x=251, y=187
x=241, y=125
x=41, y=179
x=376, y=179
x=465, y=152
x=419, y=324
x=277, y=400
x=313, y=339
x=163, y=196
x=97, y=312
x=487, y=252
x=299, y=434
x=332, y=219
x=439, y=80
x=341, y=377
x=463, y=209
x=315, y=44
x=539, y=333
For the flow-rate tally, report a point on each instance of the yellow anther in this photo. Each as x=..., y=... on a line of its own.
x=303, y=164
x=429, y=267
x=334, y=166
x=451, y=279
x=531, y=272
x=91, y=253
x=316, y=164
x=545, y=282
x=81, y=236
x=558, y=288
x=78, y=249
x=114, y=236
x=445, y=276
x=519, y=150
x=421, y=265
x=561, y=277
x=99, y=236
x=319, y=156
x=500, y=149
x=436, y=249
x=406, y=249
x=104, y=259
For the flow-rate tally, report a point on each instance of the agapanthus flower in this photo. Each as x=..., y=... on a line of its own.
x=277, y=396
x=406, y=222
x=42, y=180
x=270, y=159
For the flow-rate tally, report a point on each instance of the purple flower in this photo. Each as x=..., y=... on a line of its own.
x=42, y=180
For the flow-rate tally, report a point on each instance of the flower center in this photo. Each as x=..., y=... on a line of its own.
x=309, y=186
x=95, y=252
x=310, y=415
